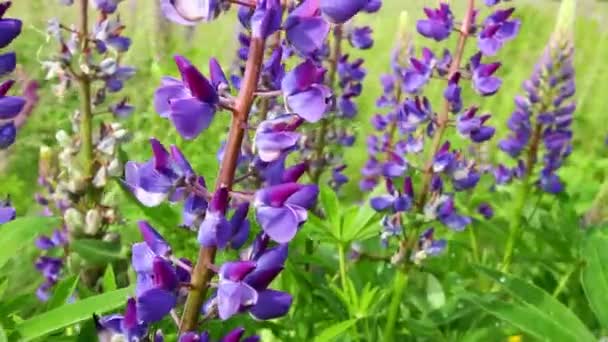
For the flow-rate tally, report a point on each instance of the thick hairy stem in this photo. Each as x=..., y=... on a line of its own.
x=523, y=192
x=84, y=82
x=202, y=272
x=443, y=117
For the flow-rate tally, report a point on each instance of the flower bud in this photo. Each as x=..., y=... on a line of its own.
x=114, y=168
x=92, y=222
x=101, y=177
x=63, y=138
x=73, y=220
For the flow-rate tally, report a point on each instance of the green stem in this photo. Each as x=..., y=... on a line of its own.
x=86, y=112
x=400, y=284
x=474, y=244
x=342, y=265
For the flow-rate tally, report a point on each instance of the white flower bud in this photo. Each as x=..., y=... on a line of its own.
x=101, y=178
x=92, y=222
x=73, y=220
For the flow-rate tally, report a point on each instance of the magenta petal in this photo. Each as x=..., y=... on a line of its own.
x=191, y=117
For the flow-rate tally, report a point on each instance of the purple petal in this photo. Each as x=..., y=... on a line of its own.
x=271, y=304
x=191, y=116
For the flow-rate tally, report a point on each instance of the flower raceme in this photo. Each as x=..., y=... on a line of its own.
x=412, y=125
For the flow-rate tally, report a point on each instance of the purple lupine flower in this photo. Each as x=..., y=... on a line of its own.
x=9, y=28
x=277, y=136
x=305, y=29
x=281, y=209
x=428, y=246
x=215, y=230
x=106, y=6
x=305, y=93
x=337, y=177
x=539, y=118
x=122, y=109
x=373, y=6
x=452, y=93
x=340, y=11
x=361, y=37
x=485, y=210
x=471, y=125
x=439, y=24
x=484, y=82
x=395, y=201
x=420, y=72
x=266, y=18
x=189, y=12
x=7, y=212
x=496, y=30
x=8, y=133
x=50, y=268
x=447, y=214
x=127, y=326
x=190, y=104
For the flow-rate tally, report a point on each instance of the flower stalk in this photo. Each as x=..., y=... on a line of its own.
x=86, y=111
x=202, y=272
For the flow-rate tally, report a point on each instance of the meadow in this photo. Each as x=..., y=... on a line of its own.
x=554, y=289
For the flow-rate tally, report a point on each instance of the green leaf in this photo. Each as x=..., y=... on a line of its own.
x=331, y=206
x=362, y=225
x=3, y=287
x=532, y=321
x=538, y=303
x=162, y=215
x=97, y=251
x=595, y=275
x=62, y=292
x=434, y=292
x=20, y=233
x=109, y=279
x=334, y=331
x=70, y=314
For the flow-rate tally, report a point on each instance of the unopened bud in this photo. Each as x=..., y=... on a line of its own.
x=101, y=178
x=73, y=220
x=114, y=168
x=63, y=138
x=92, y=222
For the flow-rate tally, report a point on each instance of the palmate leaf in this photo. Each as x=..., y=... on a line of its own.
x=595, y=275
x=536, y=311
x=70, y=314
x=17, y=234
x=331, y=207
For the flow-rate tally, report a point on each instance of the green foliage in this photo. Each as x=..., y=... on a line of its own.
x=21, y=232
x=69, y=314
x=595, y=275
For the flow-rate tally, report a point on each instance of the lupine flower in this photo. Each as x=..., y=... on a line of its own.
x=277, y=136
x=215, y=230
x=483, y=80
x=361, y=37
x=281, y=209
x=10, y=106
x=189, y=12
x=340, y=11
x=485, y=210
x=545, y=115
x=373, y=6
x=428, y=246
x=305, y=93
x=305, y=29
x=190, y=104
x=266, y=18
x=471, y=125
x=496, y=30
x=439, y=24
x=395, y=201
x=127, y=326
x=420, y=72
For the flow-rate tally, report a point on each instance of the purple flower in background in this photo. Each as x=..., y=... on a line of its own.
x=484, y=82
x=8, y=133
x=439, y=24
x=373, y=6
x=496, y=30
x=471, y=125
x=305, y=29
x=190, y=12
x=340, y=11
x=485, y=210
x=361, y=37
x=305, y=93
x=106, y=6
x=395, y=201
x=7, y=212
x=281, y=209
x=428, y=246
x=277, y=136
x=190, y=103
x=420, y=72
